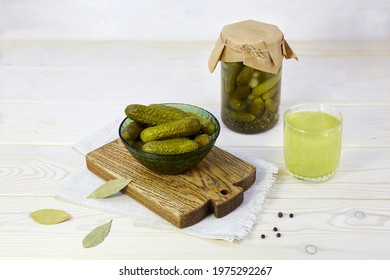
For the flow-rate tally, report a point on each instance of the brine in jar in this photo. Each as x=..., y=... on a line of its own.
x=250, y=98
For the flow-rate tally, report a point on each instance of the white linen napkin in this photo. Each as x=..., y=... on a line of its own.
x=233, y=227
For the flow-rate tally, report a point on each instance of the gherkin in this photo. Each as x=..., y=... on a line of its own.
x=132, y=131
x=237, y=104
x=230, y=75
x=183, y=127
x=169, y=109
x=244, y=76
x=171, y=146
x=254, y=82
x=202, y=140
x=257, y=107
x=265, y=86
x=271, y=93
x=150, y=115
x=271, y=105
x=242, y=92
x=241, y=116
x=206, y=126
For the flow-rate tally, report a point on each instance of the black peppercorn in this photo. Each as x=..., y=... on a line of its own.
x=263, y=236
x=291, y=215
x=278, y=234
x=280, y=214
x=275, y=229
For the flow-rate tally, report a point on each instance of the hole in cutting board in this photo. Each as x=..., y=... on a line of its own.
x=224, y=192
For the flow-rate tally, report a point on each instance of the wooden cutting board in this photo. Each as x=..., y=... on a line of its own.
x=216, y=184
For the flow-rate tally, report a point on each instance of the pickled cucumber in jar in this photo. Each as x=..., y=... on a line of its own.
x=250, y=98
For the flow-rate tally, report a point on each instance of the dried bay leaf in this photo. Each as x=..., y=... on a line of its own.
x=109, y=188
x=49, y=216
x=97, y=235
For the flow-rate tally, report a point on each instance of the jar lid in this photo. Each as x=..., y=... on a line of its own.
x=259, y=45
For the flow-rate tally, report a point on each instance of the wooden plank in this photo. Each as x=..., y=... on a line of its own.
x=122, y=85
x=338, y=229
x=100, y=54
x=52, y=124
x=37, y=170
x=44, y=171
x=133, y=75
x=362, y=174
x=122, y=54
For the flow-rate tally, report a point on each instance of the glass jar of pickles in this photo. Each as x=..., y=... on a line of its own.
x=251, y=55
x=250, y=98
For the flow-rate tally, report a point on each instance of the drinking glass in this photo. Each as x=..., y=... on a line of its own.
x=312, y=141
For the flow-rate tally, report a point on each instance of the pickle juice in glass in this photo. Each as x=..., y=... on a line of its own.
x=312, y=141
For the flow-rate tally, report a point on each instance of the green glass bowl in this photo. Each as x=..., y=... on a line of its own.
x=173, y=164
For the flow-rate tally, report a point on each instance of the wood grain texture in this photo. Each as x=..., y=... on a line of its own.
x=216, y=185
x=339, y=229
x=53, y=93
x=36, y=170
x=129, y=72
x=44, y=170
x=66, y=123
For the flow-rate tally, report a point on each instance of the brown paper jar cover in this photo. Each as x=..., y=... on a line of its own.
x=258, y=45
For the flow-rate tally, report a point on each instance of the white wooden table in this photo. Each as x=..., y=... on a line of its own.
x=53, y=93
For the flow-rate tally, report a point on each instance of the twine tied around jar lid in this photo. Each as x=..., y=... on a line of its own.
x=259, y=45
x=258, y=53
